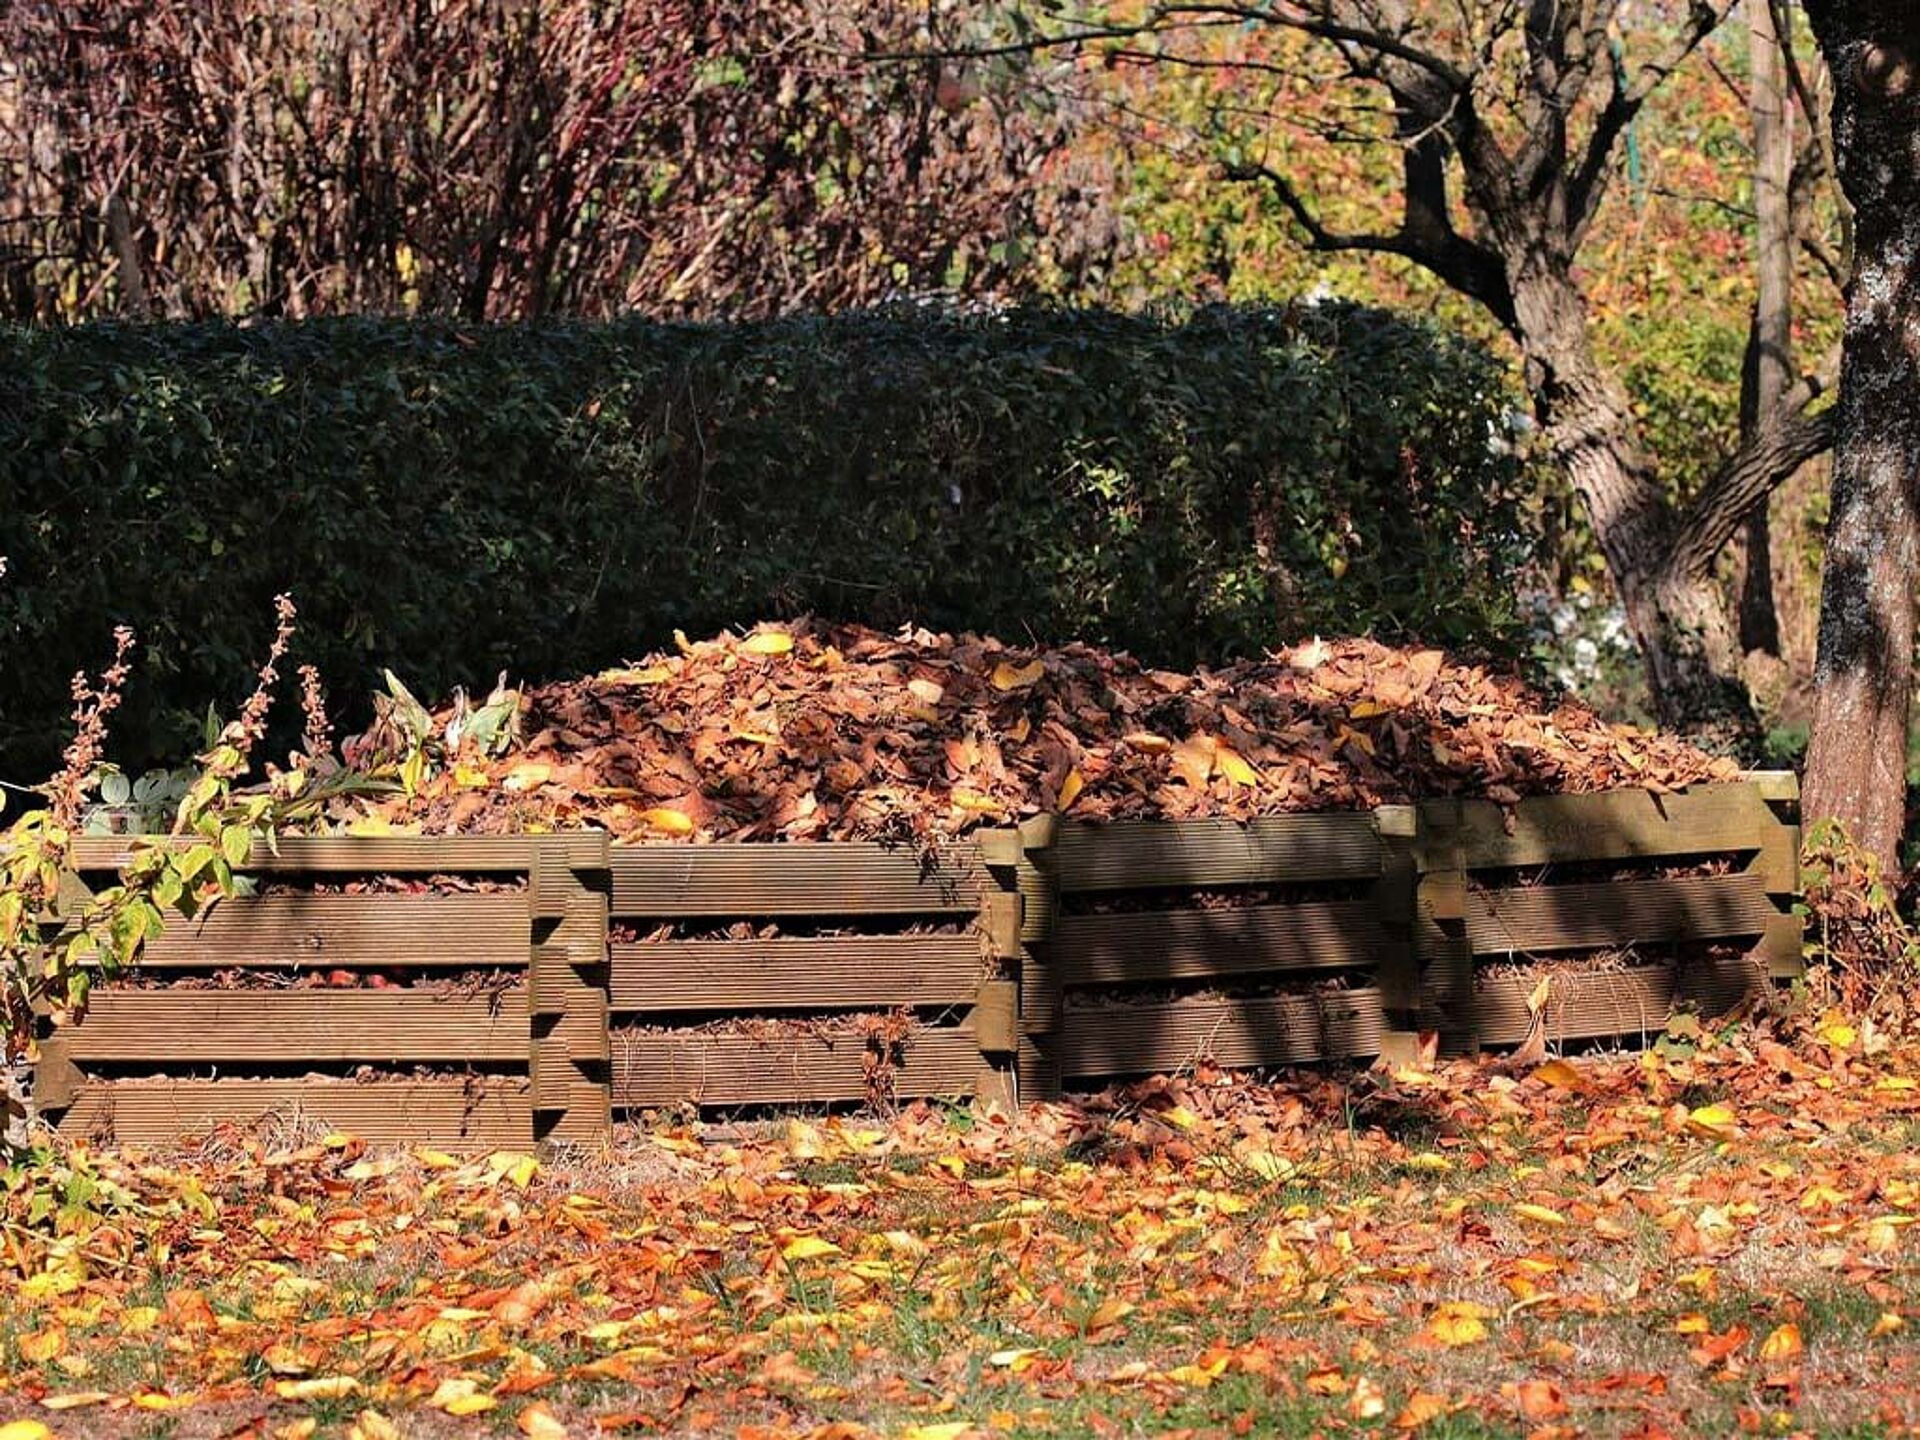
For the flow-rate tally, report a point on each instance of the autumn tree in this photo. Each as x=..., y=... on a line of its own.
x=1508, y=120
x=1856, y=768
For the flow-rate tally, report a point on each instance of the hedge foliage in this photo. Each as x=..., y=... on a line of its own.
x=453, y=501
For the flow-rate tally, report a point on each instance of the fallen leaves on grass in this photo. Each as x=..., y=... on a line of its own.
x=1456, y=1250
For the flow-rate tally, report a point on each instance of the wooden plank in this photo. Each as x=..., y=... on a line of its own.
x=856, y=971
x=1615, y=914
x=455, y=1113
x=369, y=854
x=1633, y=1004
x=996, y=1017
x=1615, y=825
x=179, y=1027
x=1202, y=854
x=1195, y=944
x=1270, y=1030
x=838, y=878
x=324, y=931
x=661, y=1068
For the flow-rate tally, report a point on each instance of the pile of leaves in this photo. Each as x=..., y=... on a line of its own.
x=816, y=731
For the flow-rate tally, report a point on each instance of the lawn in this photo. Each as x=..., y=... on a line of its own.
x=1709, y=1239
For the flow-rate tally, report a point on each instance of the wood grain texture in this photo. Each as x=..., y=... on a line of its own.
x=1195, y=944
x=1615, y=825
x=1204, y=854
x=855, y=971
x=1614, y=914
x=168, y=1027
x=324, y=931
x=454, y=1113
x=661, y=1068
x=1633, y=1004
x=1241, y=1032
x=375, y=854
x=842, y=878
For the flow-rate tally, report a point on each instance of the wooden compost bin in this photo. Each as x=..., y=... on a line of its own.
x=1010, y=966
x=1127, y=927
x=1631, y=904
x=754, y=961
x=153, y=1063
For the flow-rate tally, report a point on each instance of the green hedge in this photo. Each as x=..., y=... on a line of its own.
x=454, y=501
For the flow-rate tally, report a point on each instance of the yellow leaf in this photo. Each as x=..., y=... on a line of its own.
x=538, y=1422
x=1368, y=1401
x=25, y=1430
x=320, y=1387
x=1539, y=1214
x=1366, y=710
x=512, y=1166
x=1267, y=1165
x=1560, y=1074
x=1537, y=1000
x=456, y=1395
x=808, y=1247
x=1070, y=788
x=1782, y=1346
x=1887, y=1324
x=1458, y=1322
x=39, y=1346
x=470, y=1405
x=627, y=675
x=1147, y=743
x=79, y=1398
x=527, y=775
x=673, y=822
x=1717, y=1122
x=372, y=1425
x=947, y=1430
x=767, y=642
x=1007, y=676
x=1230, y=764
x=471, y=777
x=1014, y=1360
x=926, y=691
x=1109, y=1313
x=1835, y=1031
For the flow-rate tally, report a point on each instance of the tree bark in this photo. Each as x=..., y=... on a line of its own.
x=1681, y=619
x=1856, y=767
x=1771, y=350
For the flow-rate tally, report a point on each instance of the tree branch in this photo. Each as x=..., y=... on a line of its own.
x=1762, y=463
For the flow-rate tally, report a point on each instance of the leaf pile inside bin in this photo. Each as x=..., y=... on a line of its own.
x=814, y=732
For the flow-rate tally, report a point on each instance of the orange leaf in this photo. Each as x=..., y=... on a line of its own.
x=1782, y=1346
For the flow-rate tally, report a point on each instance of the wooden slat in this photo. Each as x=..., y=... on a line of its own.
x=372, y=854
x=169, y=1027
x=1195, y=944
x=859, y=971
x=667, y=881
x=1274, y=1030
x=324, y=931
x=1538, y=918
x=664, y=1069
x=1633, y=1004
x=463, y=1113
x=1281, y=849
x=1616, y=825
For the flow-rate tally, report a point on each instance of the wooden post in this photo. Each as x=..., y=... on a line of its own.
x=570, y=1050
x=1443, y=954
x=1395, y=898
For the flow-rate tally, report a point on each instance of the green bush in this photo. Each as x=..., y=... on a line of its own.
x=453, y=501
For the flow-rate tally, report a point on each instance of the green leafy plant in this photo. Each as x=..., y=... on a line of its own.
x=57, y=935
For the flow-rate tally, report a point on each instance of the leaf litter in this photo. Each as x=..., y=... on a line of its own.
x=814, y=731
x=1669, y=1244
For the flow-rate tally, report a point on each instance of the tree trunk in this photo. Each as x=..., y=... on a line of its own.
x=1856, y=767
x=1681, y=621
x=1771, y=350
